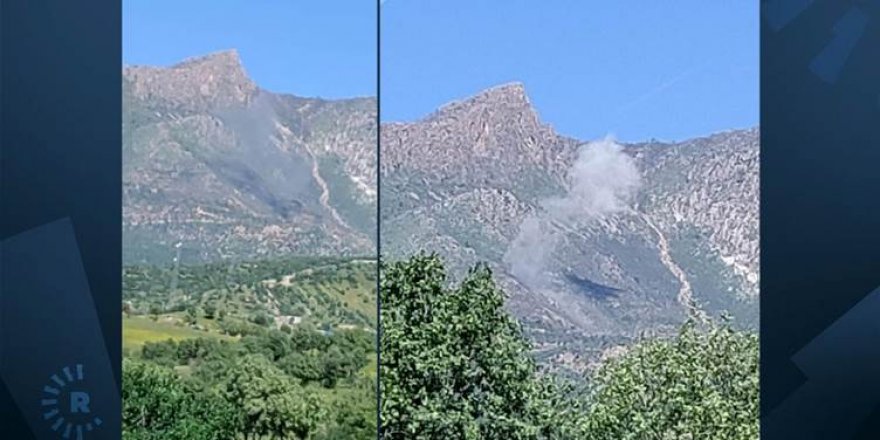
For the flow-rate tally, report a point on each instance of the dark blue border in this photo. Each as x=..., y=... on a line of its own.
x=820, y=219
x=60, y=198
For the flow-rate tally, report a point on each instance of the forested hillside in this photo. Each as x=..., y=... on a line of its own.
x=267, y=349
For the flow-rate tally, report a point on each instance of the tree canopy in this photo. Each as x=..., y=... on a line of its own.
x=455, y=365
x=701, y=385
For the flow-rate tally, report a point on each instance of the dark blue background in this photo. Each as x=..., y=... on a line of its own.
x=61, y=153
x=820, y=219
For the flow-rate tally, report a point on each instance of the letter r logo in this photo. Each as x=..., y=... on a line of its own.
x=79, y=402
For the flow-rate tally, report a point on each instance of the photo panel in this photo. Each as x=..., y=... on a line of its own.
x=569, y=220
x=249, y=181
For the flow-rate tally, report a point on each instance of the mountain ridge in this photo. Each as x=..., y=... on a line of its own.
x=224, y=167
x=469, y=178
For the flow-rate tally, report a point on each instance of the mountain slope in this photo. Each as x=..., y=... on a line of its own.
x=216, y=165
x=484, y=180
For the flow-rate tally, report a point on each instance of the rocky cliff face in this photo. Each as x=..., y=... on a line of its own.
x=221, y=168
x=475, y=181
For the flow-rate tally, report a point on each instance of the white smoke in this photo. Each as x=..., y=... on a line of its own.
x=603, y=181
x=257, y=163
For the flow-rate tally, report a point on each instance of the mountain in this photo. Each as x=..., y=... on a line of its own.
x=597, y=244
x=215, y=167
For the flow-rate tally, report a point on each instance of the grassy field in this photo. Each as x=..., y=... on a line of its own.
x=138, y=330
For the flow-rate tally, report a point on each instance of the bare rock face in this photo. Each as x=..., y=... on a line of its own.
x=224, y=169
x=465, y=135
x=214, y=80
x=469, y=179
x=709, y=186
x=495, y=136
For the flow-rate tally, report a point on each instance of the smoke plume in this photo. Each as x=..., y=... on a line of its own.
x=602, y=181
x=257, y=164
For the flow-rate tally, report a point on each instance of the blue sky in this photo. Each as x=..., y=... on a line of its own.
x=323, y=48
x=633, y=69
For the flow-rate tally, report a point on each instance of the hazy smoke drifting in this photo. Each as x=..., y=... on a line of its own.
x=603, y=181
x=256, y=164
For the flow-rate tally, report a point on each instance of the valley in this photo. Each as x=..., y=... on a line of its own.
x=249, y=277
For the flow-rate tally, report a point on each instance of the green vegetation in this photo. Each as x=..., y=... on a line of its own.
x=320, y=291
x=213, y=355
x=701, y=385
x=139, y=330
x=456, y=366
x=712, y=279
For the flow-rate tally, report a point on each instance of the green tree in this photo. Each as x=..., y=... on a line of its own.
x=157, y=404
x=210, y=310
x=161, y=352
x=261, y=318
x=306, y=365
x=192, y=315
x=701, y=385
x=454, y=363
x=155, y=310
x=353, y=415
x=455, y=366
x=273, y=406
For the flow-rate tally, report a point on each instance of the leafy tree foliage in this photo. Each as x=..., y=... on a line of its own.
x=456, y=366
x=158, y=404
x=701, y=385
x=243, y=379
x=272, y=405
x=353, y=418
x=265, y=386
x=454, y=363
x=303, y=354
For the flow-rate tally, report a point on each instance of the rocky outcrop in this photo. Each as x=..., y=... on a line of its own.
x=229, y=170
x=463, y=180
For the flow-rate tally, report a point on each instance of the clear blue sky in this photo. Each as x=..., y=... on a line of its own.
x=323, y=48
x=635, y=69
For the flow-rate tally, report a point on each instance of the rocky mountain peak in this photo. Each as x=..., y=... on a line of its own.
x=495, y=109
x=497, y=124
x=214, y=80
x=224, y=167
x=509, y=98
x=223, y=61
